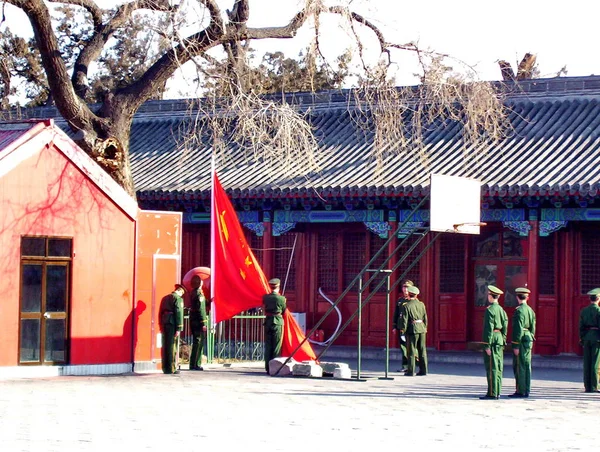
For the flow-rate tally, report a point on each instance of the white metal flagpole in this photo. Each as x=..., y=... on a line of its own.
x=213, y=236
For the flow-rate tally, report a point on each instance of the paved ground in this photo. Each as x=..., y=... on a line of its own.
x=241, y=408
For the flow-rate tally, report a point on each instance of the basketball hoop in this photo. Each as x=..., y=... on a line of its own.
x=457, y=226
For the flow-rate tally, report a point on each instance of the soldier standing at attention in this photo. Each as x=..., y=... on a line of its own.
x=274, y=305
x=397, y=322
x=198, y=322
x=523, y=335
x=589, y=337
x=171, y=324
x=495, y=326
x=414, y=324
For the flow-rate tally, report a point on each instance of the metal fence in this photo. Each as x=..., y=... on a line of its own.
x=238, y=339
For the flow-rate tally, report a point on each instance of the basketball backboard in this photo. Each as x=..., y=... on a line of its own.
x=455, y=204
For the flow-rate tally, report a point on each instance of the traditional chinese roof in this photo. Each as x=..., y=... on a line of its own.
x=551, y=154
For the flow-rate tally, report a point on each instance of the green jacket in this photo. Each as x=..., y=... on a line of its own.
x=399, y=313
x=198, y=316
x=589, y=323
x=274, y=305
x=523, y=325
x=414, y=317
x=171, y=311
x=495, y=326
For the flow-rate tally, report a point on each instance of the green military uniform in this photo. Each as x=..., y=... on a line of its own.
x=589, y=337
x=523, y=334
x=274, y=306
x=414, y=325
x=397, y=322
x=171, y=321
x=198, y=320
x=495, y=326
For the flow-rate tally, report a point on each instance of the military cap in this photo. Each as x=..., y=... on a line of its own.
x=408, y=283
x=274, y=282
x=180, y=286
x=494, y=290
x=522, y=290
x=595, y=291
x=413, y=289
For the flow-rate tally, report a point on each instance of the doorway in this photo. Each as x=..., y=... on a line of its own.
x=500, y=259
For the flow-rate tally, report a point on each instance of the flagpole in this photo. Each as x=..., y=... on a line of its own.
x=213, y=229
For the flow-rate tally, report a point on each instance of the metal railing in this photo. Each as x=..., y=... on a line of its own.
x=236, y=340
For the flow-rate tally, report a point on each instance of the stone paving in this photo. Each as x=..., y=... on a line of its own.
x=241, y=408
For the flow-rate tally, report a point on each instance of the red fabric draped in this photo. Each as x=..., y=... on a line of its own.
x=239, y=282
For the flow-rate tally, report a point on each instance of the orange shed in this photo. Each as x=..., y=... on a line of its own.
x=68, y=257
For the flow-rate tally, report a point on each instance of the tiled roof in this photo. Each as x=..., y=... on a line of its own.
x=9, y=132
x=553, y=148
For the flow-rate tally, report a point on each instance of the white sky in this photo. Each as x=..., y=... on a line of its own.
x=478, y=32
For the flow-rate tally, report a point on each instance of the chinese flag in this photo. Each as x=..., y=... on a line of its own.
x=238, y=282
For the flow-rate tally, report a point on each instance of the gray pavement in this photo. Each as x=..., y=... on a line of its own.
x=241, y=408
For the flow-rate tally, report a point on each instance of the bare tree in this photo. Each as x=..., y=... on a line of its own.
x=104, y=132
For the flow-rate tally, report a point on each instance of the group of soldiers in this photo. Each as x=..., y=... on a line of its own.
x=410, y=325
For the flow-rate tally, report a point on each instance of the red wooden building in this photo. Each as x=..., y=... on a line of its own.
x=69, y=236
x=539, y=198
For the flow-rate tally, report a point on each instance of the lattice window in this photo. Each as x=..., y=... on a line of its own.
x=413, y=274
x=256, y=244
x=547, y=253
x=196, y=247
x=452, y=267
x=354, y=256
x=590, y=261
x=375, y=244
x=328, y=263
x=284, y=245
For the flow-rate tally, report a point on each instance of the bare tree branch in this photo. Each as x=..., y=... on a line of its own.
x=91, y=7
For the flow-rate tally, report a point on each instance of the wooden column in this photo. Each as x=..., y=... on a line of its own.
x=268, y=246
x=533, y=262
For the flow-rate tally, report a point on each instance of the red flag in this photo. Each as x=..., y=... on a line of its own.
x=292, y=336
x=238, y=282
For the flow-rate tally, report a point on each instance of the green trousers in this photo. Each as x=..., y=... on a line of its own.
x=494, y=366
x=402, y=347
x=197, y=348
x=415, y=347
x=591, y=358
x=273, y=341
x=522, y=369
x=169, y=349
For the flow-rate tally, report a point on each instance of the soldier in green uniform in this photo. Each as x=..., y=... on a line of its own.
x=414, y=325
x=589, y=337
x=495, y=326
x=198, y=323
x=274, y=305
x=171, y=324
x=397, y=322
x=523, y=335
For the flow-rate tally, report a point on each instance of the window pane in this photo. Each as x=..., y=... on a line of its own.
x=513, y=245
x=546, y=265
x=327, y=262
x=55, y=350
x=514, y=276
x=484, y=276
x=376, y=243
x=284, y=260
x=56, y=288
x=59, y=247
x=33, y=246
x=452, y=267
x=31, y=288
x=590, y=261
x=488, y=245
x=30, y=340
x=354, y=256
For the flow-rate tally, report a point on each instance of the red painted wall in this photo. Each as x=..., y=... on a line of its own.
x=47, y=195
